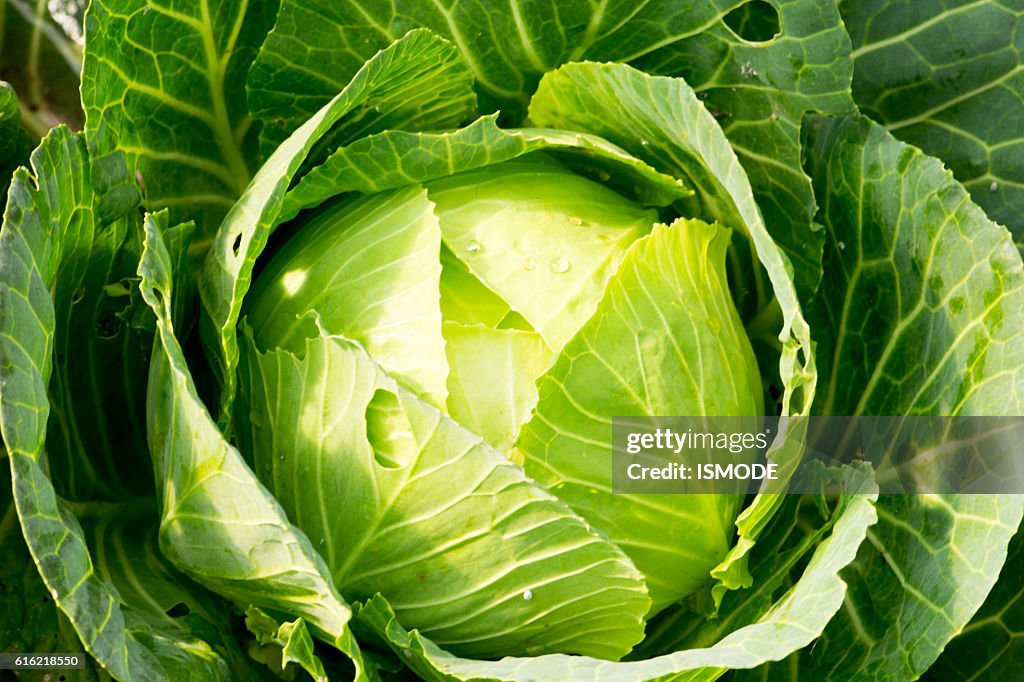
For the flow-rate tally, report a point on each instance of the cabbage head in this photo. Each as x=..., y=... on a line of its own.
x=504, y=312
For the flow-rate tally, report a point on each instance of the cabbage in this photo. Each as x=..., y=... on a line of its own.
x=317, y=340
x=592, y=308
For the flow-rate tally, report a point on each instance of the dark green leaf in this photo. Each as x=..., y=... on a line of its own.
x=990, y=646
x=948, y=77
x=926, y=568
x=317, y=46
x=52, y=241
x=168, y=80
x=30, y=620
x=433, y=93
x=123, y=543
x=922, y=305
x=99, y=345
x=759, y=91
x=921, y=311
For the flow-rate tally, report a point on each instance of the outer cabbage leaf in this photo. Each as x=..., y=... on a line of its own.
x=791, y=623
x=949, y=78
x=218, y=524
x=924, y=314
x=168, y=79
x=507, y=47
x=921, y=309
x=466, y=548
x=60, y=228
x=758, y=83
x=444, y=99
x=927, y=566
x=98, y=342
x=989, y=647
x=395, y=158
x=30, y=620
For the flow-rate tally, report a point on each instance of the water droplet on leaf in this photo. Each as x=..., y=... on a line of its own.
x=473, y=247
x=560, y=265
x=528, y=595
